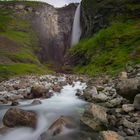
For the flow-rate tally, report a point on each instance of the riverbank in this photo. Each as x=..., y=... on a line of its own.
x=95, y=108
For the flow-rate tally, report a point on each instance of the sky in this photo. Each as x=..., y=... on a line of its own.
x=59, y=3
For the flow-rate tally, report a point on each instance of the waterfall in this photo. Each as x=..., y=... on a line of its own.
x=76, y=30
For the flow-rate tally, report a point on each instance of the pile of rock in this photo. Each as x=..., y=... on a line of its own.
x=115, y=107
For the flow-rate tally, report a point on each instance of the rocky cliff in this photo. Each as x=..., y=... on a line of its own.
x=110, y=37
x=54, y=27
x=32, y=34
x=98, y=14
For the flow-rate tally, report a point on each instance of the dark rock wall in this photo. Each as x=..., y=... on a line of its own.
x=54, y=27
x=98, y=14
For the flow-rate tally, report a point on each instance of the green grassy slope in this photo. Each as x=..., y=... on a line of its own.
x=109, y=49
x=18, y=43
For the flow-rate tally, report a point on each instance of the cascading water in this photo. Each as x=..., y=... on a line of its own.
x=76, y=30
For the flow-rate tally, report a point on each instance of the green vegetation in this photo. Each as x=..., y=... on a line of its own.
x=21, y=69
x=18, y=43
x=109, y=50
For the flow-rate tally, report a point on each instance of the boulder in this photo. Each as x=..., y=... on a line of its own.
x=128, y=88
x=110, y=135
x=38, y=91
x=60, y=125
x=36, y=102
x=95, y=117
x=137, y=102
x=15, y=117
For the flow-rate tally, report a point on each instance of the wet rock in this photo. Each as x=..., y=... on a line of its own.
x=38, y=91
x=129, y=88
x=137, y=102
x=60, y=125
x=95, y=117
x=49, y=95
x=128, y=107
x=110, y=135
x=15, y=117
x=56, y=88
x=36, y=102
x=14, y=103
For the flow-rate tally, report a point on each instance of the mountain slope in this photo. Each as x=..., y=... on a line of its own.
x=111, y=37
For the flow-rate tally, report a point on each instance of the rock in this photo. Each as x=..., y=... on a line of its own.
x=38, y=91
x=129, y=132
x=123, y=76
x=137, y=102
x=19, y=7
x=100, y=88
x=101, y=97
x=14, y=103
x=95, y=117
x=56, y=88
x=132, y=138
x=15, y=117
x=60, y=125
x=49, y=95
x=89, y=93
x=128, y=107
x=115, y=102
x=128, y=124
x=110, y=135
x=36, y=102
x=129, y=88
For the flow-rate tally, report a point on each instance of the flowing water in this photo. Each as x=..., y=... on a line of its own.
x=76, y=30
x=62, y=104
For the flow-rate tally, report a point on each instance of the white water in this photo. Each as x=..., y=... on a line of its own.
x=65, y=103
x=76, y=30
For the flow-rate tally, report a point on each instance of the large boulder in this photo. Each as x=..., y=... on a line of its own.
x=95, y=117
x=38, y=91
x=129, y=88
x=110, y=135
x=15, y=117
x=60, y=125
x=137, y=102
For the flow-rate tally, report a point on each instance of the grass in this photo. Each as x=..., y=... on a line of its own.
x=109, y=50
x=18, y=69
x=22, y=45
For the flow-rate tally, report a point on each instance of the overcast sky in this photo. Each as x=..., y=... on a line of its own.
x=59, y=3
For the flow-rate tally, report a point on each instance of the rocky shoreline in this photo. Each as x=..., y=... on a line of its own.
x=114, y=110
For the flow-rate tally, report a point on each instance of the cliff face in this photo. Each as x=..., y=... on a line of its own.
x=98, y=14
x=33, y=34
x=54, y=28
x=111, y=37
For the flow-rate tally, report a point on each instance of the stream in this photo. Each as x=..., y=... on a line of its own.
x=61, y=104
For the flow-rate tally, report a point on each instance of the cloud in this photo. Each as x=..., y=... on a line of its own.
x=59, y=3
